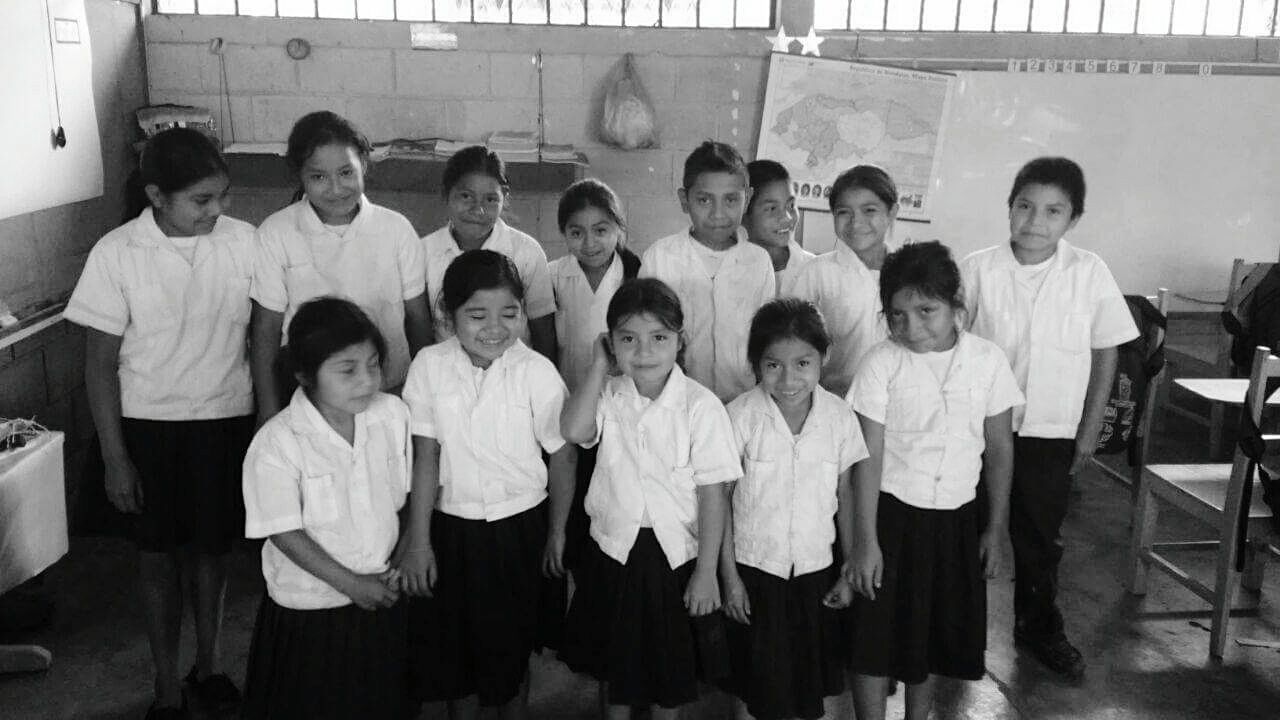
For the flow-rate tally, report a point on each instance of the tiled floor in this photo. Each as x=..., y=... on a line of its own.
x=1146, y=657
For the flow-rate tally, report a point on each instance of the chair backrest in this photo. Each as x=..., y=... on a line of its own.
x=1236, y=503
x=1245, y=278
x=1161, y=301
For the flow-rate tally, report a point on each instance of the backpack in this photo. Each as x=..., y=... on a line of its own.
x=1256, y=319
x=1140, y=360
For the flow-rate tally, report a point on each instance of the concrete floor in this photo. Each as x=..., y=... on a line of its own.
x=1146, y=657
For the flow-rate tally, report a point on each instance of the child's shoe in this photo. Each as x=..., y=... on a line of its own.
x=1056, y=653
x=215, y=693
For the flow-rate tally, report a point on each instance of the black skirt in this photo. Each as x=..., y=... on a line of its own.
x=491, y=608
x=577, y=529
x=336, y=663
x=789, y=658
x=628, y=627
x=190, y=473
x=930, y=613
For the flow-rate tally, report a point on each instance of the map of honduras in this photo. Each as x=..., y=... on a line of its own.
x=824, y=116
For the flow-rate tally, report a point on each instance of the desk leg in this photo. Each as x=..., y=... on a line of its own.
x=24, y=659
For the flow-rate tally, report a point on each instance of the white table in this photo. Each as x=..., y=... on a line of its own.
x=33, y=528
x=1230, y=391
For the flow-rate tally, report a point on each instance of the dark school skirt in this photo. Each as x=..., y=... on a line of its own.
x=577, y=529
x=628, y=627
x=490, y=610
x=335, y=663
x=190, y=472
x=790, y=657
x=930, y=613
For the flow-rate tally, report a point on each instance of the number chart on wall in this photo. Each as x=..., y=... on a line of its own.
x=48, y=123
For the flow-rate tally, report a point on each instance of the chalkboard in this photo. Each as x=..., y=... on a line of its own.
x=48, y=83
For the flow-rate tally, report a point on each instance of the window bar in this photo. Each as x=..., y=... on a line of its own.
x=735, y=14
x=1275, y=5
x=1031, y=9
x=1171, y=4
x=659, y=12
x=920, y=21
x=1102, y=11
x=511, y=12
x=884, y=19
x=1204, y=27
x=995, y=7
x=848, y=15
x=957, y=26
x=473, y=10
x=1066, y=12
x=624, y=12
x=1240, y=19
x=546, y=4
x=586, y=12
x=1137, y=10
x=433, y=10
x=697, y=14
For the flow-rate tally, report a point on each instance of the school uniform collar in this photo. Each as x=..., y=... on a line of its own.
x=849, y=260
x=612, y=275
x=149, y=235
x=959, y=357
x=759, y=402
x=1065, y=255
x=460, y=362
x=311, y=224
x=794, y=253
x=305, y=419
x=499, y=240
x=739, y=252
x=673, y=396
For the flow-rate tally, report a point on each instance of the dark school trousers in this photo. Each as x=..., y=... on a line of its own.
x=1037, y=507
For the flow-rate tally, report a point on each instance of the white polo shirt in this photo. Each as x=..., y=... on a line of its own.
x=528, y=256
x=580, y=313
x=299, y=474
x=796, y=260
x=1047, y=327
x=492, y=426
x=785, y=504
x=376, y=262
x=717, y=309
x=934, y=431
x=654, y=454
x=182, y=323
x=848, y=294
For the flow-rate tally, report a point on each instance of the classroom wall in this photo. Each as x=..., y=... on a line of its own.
x=703, y=83
x=42, y=253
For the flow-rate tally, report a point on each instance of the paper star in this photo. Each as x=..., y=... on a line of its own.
x=781, y=41
x=809, y=45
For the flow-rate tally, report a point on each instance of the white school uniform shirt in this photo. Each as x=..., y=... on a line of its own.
x=182, y=323
x=1047, y=325
x=492, y=426
x=653, y=456
x=934, y=430
x=785, y=504
x=717, y=310
x=848, y=294
x=580, y=313
x=376, y=262
x=798, y=258
x=299, y=474
x=525, y=252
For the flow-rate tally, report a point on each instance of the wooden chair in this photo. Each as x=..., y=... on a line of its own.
x=1137, y=459
x=1194, y=358
x=1213, y=494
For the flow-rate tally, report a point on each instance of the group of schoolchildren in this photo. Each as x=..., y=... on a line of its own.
x=762, y=469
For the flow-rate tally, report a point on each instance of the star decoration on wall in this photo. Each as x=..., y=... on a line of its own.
x=809, y=45
x=781, y=42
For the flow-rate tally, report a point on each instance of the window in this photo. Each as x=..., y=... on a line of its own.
x=1247, y=18
x=617, y=13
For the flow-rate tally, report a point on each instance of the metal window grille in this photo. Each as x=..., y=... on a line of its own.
x=1238, y=18
x=608, y=13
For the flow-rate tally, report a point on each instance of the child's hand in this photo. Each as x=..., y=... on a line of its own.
x=1081, y=460
x=865, y=568
x=991, y=550
x=124, y=488
x=602, y=354
x=417, y=567
x=553, y=555
x=369, y=592
x=736, y=604
x=391, y=578
x=702, y=596
x=840, y=595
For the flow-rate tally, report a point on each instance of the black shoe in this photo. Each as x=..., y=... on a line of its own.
x=155, y=712
x=1056, y=653
x=215, y=693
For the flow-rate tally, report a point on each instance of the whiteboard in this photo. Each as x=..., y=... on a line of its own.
x=1183, y=171
x=38, y=175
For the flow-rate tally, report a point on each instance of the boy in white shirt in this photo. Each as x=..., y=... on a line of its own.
x=721, y=278
x=1057, y=313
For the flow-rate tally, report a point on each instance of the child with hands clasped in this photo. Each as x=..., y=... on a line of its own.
x=484, y=408
x=935, y=406
x=642, y=621
x=323, y=481
x=798, y=445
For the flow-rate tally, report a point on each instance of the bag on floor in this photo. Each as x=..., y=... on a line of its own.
x=1255, y=321
x=1140, y=360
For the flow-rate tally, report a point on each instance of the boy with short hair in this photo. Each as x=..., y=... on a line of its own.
x=720, y=277
x=1059, y=316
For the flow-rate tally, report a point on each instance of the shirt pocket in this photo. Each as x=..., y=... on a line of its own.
x=302, y=282
x=319, y=500
x=962, y=421
x=908, y=409
x=515, y=434
x=751, y=491
x=151, y=310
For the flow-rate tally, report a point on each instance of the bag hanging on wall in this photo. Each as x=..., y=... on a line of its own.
x=628, y=120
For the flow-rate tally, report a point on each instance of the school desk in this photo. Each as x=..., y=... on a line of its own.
x=33, y=528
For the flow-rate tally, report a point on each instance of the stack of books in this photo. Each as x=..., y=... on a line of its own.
x=514, y=146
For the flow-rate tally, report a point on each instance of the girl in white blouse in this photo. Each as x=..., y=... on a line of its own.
x=643, y=618
x=798, y=444
x=935, y=406
x=591, y=221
